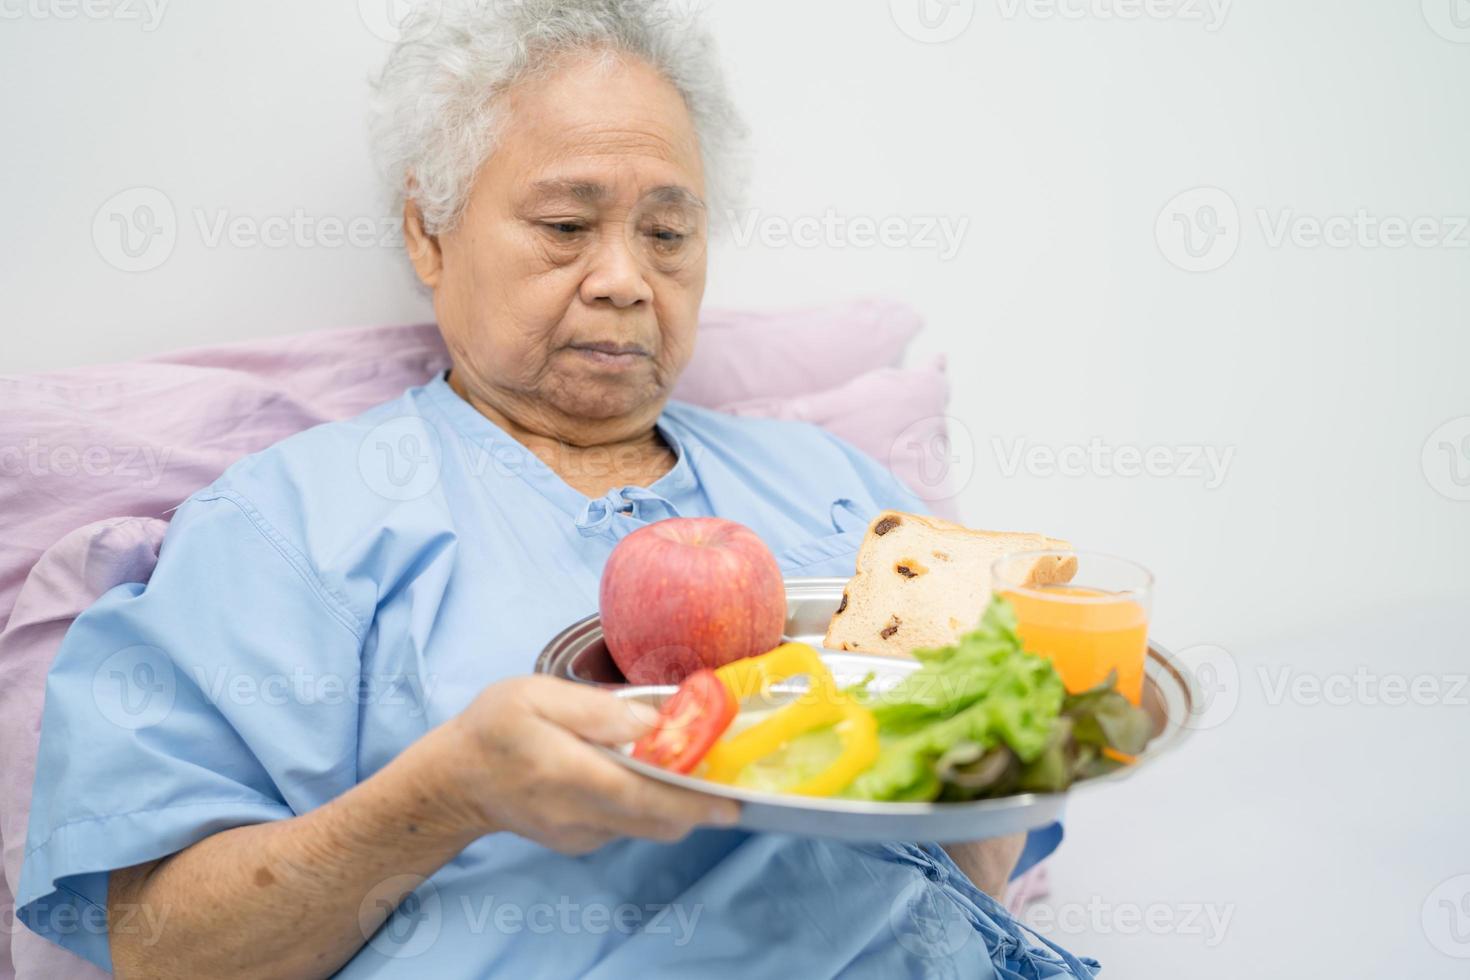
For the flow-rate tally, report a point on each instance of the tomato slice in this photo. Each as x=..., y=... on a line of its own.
x=689, y=723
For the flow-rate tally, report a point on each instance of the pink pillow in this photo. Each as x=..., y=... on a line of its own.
x=67, y=579
x=742, y=356
x=895, y=415
x=7, y=904
x=136, y=439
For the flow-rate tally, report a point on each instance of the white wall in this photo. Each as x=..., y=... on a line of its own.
x=1057, y=141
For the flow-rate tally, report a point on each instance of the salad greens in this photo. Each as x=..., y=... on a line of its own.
x=983, y=718
x=980, y=718
x=1096, y=731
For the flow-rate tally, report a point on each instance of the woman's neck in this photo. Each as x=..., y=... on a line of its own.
x=589, y=463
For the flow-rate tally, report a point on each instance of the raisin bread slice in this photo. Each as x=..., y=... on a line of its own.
x=922, y=581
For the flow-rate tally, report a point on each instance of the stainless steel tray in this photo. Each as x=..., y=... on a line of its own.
x=1169, y=697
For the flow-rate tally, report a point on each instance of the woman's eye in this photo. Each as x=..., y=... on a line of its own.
x=565, y=229
x=667, y=238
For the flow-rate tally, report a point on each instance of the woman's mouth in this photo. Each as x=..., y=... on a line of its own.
x=606, y=354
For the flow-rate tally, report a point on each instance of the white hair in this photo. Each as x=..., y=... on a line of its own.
x=435, y=107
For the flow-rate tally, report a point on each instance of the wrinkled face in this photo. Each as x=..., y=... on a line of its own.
x=569, y=292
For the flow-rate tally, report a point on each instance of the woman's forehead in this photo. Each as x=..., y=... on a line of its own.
x=590, y=125
x=592, y=177
x=594, y=192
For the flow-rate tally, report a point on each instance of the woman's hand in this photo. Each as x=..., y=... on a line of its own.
x=518, y=760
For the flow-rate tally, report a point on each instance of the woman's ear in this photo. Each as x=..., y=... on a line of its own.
x=423, y=248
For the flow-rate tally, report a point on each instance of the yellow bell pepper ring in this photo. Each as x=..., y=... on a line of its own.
x=821, y=705
x=858, y=731
x=753, y=675
x=730, y=755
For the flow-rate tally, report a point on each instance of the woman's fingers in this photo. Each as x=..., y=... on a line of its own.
x=540, y=734
x=640, y=796
x=589, y=712
x=633, y=802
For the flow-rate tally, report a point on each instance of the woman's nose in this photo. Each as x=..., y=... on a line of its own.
x=615, y=275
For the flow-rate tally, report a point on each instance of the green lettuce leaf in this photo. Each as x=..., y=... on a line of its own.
x=983, y=690
x=1091, y=722
x=983, y=718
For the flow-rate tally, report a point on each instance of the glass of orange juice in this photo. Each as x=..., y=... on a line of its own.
x=1095, y=623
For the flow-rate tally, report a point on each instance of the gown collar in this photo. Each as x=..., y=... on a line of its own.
x=488, y=449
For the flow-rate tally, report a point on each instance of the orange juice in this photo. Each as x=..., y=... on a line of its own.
x=1084, y=636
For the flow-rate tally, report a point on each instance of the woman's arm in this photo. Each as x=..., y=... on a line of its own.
x=293, y=898
x=989, y=863
x=299, y=897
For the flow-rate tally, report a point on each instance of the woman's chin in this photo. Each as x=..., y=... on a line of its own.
x=602, y=395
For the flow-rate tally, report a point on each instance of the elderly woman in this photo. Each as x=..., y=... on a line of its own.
x=309, y=744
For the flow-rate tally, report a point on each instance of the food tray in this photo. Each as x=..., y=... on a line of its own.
x=1169, y=697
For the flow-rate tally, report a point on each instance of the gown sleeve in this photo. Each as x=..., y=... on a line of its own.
x=217, y=695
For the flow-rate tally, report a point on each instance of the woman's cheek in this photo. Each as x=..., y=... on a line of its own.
x=676, y=350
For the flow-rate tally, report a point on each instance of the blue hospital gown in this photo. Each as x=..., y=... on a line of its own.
x=329, y=600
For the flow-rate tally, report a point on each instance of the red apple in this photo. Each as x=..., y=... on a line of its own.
x=686, y=593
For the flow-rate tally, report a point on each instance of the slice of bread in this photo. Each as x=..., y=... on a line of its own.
x=922, y=581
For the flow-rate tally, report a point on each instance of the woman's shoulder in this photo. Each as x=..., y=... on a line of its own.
x=778, y=437
x=815, y=460
x=774, y=422
x=343, y=472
